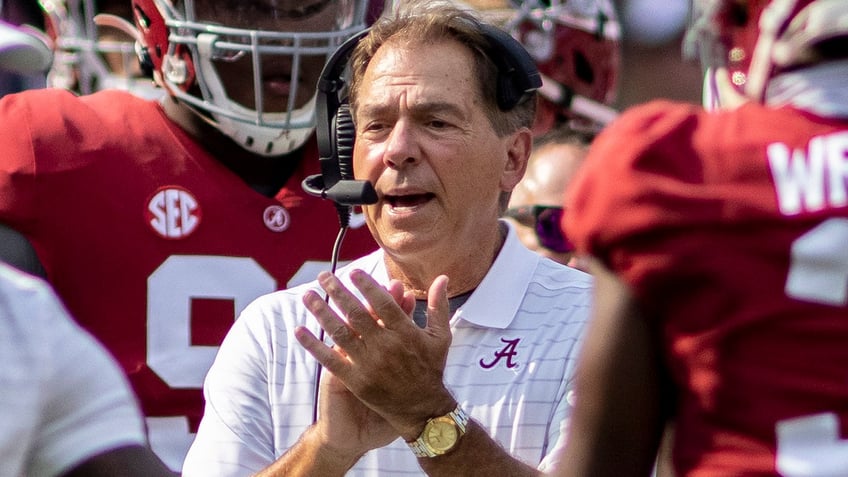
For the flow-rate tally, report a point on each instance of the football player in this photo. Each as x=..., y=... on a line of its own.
x=94, y=47
x=157, y=221
x=577, y=48
x=718, y=243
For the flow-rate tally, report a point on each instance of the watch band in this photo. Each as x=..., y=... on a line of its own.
x=420, y=446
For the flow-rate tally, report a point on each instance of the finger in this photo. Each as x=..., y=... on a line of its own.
x=408, y=303
x=396, y=290
x=404, y=298
x=383, y=304
x=326, y=356
x=438, y=310
x=336, y=328
x=359, y=318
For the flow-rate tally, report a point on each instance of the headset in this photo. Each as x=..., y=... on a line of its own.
x=518, y=78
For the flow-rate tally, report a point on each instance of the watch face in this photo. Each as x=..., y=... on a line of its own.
x=441, y=435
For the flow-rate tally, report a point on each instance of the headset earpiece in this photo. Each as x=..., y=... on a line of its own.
x=518, y=76
x=345, y=133
x=335, y=133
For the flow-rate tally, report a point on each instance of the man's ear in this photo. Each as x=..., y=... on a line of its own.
x=521, y=143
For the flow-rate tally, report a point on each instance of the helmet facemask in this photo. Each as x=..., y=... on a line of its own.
x=92, y=50
x=250, y=67
x=576, y=46
x=757, y=39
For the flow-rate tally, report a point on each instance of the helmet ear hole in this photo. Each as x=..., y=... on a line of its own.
x=738, y=14
x=144, y=61
x=583, y=68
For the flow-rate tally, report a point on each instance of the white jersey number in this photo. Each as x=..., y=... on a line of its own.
x=170, y=354
x=810, y=446
x=818, y=271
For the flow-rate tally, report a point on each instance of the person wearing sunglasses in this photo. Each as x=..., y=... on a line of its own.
x=535, y=206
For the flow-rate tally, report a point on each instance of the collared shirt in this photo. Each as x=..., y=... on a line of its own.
x=510, y=366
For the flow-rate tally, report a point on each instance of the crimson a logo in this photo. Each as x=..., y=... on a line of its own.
x=508, y=352
x=173, y=212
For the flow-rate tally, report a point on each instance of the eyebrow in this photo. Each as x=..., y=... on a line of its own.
x=417, y=109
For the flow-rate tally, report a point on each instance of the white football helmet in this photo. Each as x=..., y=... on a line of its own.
x=90, y=55
x=758, y=39
x=576, y=45
x=249, y=67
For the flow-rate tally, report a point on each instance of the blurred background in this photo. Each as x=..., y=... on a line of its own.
x=652, y=62
x=652, y=65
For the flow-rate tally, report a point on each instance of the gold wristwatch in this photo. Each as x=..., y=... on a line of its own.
x=440, y=434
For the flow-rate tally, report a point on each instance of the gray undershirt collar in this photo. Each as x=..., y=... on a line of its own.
x=419, y=315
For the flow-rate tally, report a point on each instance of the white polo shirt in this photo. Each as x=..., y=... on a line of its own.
x=510, y=366
x=62, y=397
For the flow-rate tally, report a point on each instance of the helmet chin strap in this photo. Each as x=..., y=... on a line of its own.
x=719, y=91
x=772, y=20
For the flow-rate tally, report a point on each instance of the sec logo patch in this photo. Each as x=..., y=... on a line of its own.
x=173, y=212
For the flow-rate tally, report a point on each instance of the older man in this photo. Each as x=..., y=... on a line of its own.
x=453, y=339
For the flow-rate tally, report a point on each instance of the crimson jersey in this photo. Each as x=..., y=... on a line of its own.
x=732, y=229
x=153, y=244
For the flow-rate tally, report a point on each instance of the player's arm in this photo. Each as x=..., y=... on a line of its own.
x=130, y=461
x=618, y=418
x=90, y=421
x=17, y=251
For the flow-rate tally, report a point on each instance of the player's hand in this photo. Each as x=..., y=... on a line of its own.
x=390, y=364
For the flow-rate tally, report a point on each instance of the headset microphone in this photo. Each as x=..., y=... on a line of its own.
x=335, y=134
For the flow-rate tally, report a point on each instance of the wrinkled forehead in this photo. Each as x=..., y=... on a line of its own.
x=295, y=15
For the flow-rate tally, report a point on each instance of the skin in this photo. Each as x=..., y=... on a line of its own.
x=620, y=417
x=549, y=172
x=264, y=174
x=236, y=74
x=438, y=167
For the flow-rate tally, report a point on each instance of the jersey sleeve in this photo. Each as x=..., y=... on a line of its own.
x=17, y=164
x=642, y=184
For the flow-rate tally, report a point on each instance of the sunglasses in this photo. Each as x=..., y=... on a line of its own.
x=545, y=220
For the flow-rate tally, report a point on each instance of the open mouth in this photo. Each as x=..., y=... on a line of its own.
x=279, y=85
x=408, y=201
